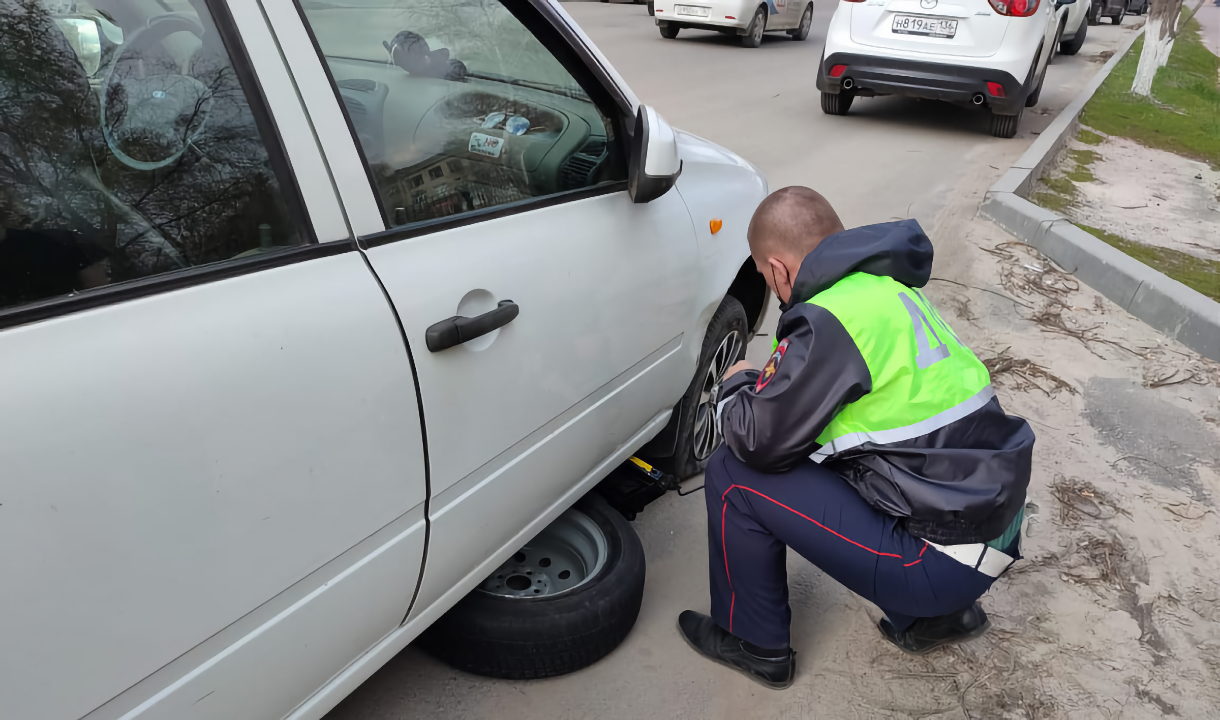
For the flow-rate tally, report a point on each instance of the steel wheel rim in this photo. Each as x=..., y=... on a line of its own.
x=567, y=554
x=707, y=430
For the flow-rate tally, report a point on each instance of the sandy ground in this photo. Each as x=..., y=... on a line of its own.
x=1114, y=612
x=1209, y=19
x=1151, y=196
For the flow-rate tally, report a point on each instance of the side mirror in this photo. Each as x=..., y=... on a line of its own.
x=654, y=165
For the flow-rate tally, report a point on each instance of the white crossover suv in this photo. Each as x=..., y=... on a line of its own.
x=319, y=320
x=748, y=19
x=989, y=53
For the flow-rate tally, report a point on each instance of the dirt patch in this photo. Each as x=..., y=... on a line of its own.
x=1155, y=440
x=1148, y=196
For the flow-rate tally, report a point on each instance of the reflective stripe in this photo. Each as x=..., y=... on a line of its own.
x=719, y=409
x=987, y=560
x=909, y=432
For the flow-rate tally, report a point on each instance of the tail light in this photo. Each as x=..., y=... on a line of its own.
x=996, y=89
x=1013, y=8
x=853, y=0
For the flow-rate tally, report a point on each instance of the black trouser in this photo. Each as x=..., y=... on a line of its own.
x=752, y=516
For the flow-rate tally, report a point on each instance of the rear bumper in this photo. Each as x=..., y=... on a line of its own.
x=718, y=17
x=915, y=78
x=737, y=26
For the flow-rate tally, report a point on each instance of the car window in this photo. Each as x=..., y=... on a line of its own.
x=458, y=107
x=127, y=148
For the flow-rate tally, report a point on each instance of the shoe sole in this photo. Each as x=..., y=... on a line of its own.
x=977, y=632
x=765, y=683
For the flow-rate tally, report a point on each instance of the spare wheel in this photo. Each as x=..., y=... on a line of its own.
x=561, y=603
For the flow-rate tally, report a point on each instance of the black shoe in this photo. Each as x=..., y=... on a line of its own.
x=713, y=642
x=927, y=634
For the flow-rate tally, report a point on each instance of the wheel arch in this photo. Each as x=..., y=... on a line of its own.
x=750, y=289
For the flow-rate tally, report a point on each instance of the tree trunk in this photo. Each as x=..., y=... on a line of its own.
x=1158, y=41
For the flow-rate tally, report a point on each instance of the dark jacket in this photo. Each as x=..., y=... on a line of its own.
x=962, y=482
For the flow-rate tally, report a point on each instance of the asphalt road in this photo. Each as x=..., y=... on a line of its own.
x=890, y=158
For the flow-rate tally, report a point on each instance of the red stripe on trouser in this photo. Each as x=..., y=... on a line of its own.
x=724, y=550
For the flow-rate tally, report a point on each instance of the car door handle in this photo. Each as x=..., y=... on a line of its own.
x=457, y=329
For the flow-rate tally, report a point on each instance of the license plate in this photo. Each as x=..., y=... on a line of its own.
x=929, y=27
x=691, y=10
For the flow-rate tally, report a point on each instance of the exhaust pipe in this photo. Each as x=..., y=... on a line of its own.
x=848, y=83
x=979, y=99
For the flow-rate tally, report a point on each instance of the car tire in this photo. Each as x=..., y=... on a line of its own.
x=1033, y=97
x=523, y=637
x=1005, y=126
x=1093, y=16
x=837, y=103
x=1122, y=13
x=669, y=32
x=692, y=449
x=802, y=31
x=1071, y=47
x=652, y=10
x=754, y=33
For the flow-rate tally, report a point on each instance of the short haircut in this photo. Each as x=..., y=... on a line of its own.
x=792, y=221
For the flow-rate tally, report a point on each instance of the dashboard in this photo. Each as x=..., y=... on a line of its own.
x=436, y=146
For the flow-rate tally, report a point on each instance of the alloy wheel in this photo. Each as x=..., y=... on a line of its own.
x=707, y=430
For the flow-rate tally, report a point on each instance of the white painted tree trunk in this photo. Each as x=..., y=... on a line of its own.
x=1165, y=55
x=1158, y=41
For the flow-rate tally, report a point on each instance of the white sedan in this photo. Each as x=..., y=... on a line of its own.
x=747, y=18
x=319, y=321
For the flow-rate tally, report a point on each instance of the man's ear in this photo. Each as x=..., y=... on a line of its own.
x=781, y=278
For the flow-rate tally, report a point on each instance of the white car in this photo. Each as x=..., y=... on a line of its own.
x=1074, y=27
x=746, y=18
x=988, y=53
x=310, y=327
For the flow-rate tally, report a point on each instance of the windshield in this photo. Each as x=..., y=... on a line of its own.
x=482, y=34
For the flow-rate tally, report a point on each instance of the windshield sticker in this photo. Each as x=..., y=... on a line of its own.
x=481, y=144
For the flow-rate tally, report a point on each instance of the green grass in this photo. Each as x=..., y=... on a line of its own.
x=1061, y=186
x=1083, y=157
x=1051, y=201
x=1185, y=119
x=1195, y=273
x=1088, y=137
x=1080, y=175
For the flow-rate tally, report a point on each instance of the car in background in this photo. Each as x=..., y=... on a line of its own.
x=320, y=320
x=1074, y=28
x=990, y=54
x=748, y=19
x=1137, y=7
x=1116, y=10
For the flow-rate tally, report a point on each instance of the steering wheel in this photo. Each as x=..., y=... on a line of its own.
x=168, y=110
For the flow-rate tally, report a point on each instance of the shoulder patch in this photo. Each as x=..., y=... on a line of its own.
x=772, y=365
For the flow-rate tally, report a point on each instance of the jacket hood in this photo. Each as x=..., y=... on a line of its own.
x=899, y=250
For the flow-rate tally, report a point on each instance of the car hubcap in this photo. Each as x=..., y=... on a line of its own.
x=564, y=556
x=758, y=27
x=707, y=430
x=806, y=21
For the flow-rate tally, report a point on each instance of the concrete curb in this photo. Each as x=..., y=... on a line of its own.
x=1187, y=316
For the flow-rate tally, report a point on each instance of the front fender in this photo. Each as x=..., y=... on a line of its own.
x=717, y=185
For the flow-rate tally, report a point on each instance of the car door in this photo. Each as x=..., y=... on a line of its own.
x=212, y=496
x=497, y=162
